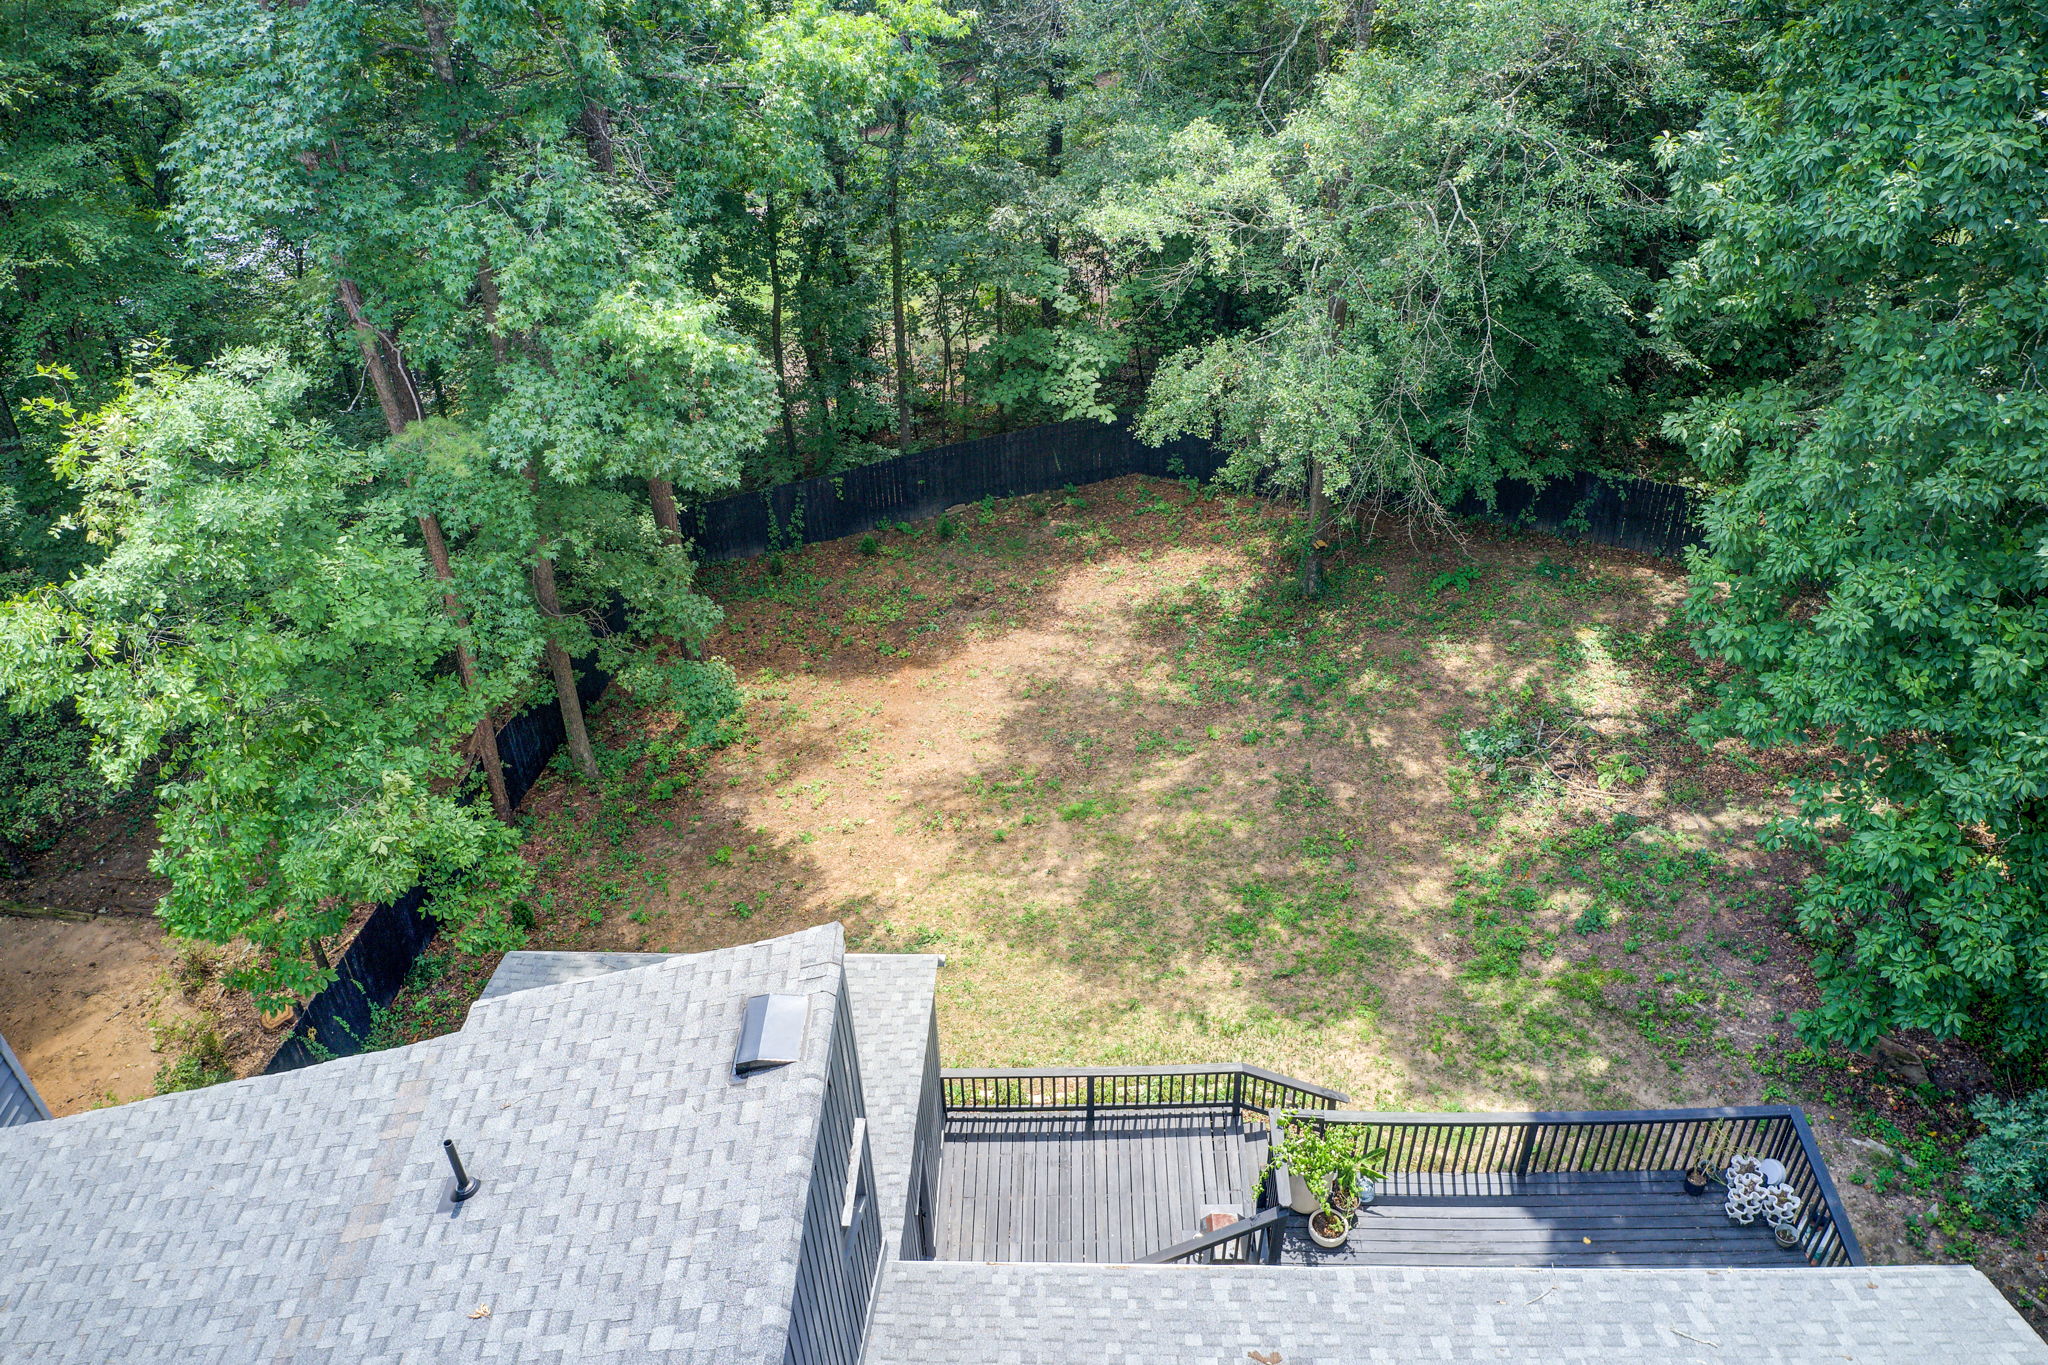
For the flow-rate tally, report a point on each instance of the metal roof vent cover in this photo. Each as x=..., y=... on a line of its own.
x=771, y=1033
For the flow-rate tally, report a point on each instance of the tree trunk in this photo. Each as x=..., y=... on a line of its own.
x=560, y=665
x=945, y=359
x=399, y=399
x=10, y=434
x=1055, y=148
x=596, y=127
x=774, y=225
x=487, y=299
x=1312, y=542
x=662, y=494
x=896, y=279
x=1362, y=13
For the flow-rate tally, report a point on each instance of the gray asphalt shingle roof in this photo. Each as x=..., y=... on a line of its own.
x=303, y=1217
x=893, y=1023
x=892, y=998
x=965, y=1313
x=627, y=1214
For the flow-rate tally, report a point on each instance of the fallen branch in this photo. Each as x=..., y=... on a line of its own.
x=20, y=911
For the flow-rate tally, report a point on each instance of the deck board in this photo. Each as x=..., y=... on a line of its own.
x=1052, y=1188
x=1582, y=1219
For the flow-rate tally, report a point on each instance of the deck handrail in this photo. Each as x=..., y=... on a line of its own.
x=1260, y=1228
x=1090, y=1090
x=1450, y=1148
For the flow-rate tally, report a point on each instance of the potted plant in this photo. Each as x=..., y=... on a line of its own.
x=1327, y=1171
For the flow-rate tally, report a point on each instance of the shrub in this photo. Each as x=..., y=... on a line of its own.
x=869, y=545
x=2008, y=1176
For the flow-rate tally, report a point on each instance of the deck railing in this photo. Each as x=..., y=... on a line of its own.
x=1102, y=1090
x=1248, y=1241
x=1451, y=1154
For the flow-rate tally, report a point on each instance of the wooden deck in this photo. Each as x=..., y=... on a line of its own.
x=1062, y=1187
x=1584, y=1220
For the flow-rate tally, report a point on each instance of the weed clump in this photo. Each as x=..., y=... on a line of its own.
x=197, y=1056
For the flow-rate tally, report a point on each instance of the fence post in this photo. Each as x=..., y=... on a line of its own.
x=1236, y=1094
x=1528, y=1147
x=1091, y=1104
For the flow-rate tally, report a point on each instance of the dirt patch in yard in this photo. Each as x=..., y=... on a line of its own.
x=78, y=998
x=1154, y=808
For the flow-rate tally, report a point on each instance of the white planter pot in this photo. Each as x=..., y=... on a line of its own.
x=1296, y=1192
x=1328, y=1243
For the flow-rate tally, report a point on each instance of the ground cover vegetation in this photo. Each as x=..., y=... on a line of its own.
x=356, y=357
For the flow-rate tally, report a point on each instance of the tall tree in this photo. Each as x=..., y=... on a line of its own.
x=1444, y=242
x=88, y=264
x=1876, y=212
x=260, y=625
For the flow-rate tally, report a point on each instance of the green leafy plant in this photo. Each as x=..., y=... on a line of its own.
x=2008, y=1175
x=1330, y=1159
x=1873, y=564
x=196, y=1055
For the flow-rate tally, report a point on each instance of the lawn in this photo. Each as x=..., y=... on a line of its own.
x=1439, y=838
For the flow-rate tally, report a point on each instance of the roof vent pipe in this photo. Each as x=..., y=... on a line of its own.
x=465, y=1183
x=771, y=1033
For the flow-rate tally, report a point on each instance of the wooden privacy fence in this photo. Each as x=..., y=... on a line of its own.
x=924, y=484
x=1479, y=1154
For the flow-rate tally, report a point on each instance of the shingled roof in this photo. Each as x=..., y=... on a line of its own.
x=969, y=1313
x=634, y=1193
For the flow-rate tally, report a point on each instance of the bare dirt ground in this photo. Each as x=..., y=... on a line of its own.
x=78, y=997
x=75, y=1003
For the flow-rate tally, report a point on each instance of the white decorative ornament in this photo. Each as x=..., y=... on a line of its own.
x=1757, y=1187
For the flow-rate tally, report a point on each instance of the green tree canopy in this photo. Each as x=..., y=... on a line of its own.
x=1877, y=211
x=1446, y=233
x=260, y=624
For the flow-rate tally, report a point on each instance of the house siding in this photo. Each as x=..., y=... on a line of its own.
x=19, y=1102
x=837, y=1265
x=919, y=1239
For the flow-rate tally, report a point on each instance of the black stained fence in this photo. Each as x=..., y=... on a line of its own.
x=1634, y=514
x=924, y=484
x=1631, y=514
x=341, y=1018
x=1451, y=1155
